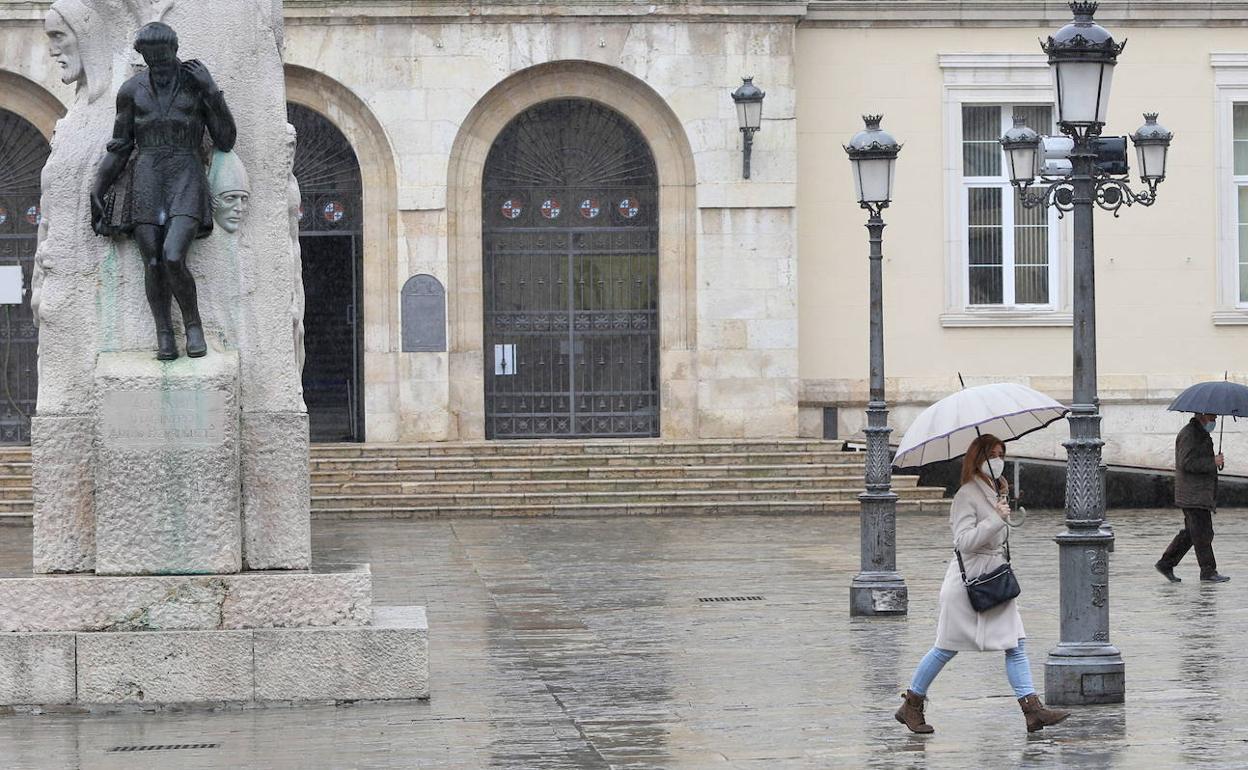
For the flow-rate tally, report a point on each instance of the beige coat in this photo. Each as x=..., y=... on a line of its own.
x=979, y=533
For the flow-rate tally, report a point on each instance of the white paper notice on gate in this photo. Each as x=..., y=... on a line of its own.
x=11, y=284
x=504, y=359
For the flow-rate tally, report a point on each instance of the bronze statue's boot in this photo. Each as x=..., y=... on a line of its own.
x=911, y=713
x=195, y=345
x=166, y=346
x=1040, y=716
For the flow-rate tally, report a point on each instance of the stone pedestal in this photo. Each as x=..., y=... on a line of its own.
x=167, y=465
x=183, y=484
x=253, y=637
x=279, y=599
x=277, y=530
x=64, y=492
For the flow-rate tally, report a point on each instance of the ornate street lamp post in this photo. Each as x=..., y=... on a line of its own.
x=1084, y=667
x=878, y=589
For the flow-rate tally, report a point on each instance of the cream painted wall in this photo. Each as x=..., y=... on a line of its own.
x=1156, y=267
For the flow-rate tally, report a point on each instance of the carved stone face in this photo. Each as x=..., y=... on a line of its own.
x=229, y=208
x=63, y=47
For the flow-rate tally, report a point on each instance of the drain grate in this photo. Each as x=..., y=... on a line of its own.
x=730, y=598
x=167, y=747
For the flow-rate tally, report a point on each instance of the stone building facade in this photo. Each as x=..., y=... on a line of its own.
x=746, y=315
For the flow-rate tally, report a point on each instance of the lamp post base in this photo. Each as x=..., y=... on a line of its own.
x=1085, y=668
x=1082, y=674
x=878, y=594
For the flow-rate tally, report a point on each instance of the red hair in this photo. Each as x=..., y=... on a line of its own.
x=977, y=454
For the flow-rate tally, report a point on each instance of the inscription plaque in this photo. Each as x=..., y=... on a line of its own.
x=141, y=419
x=424, y=315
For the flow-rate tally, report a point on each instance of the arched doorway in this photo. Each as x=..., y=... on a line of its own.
x=570, y=274
x=23, y=152
x=331, y=244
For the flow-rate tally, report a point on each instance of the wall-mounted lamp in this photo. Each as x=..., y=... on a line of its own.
x=749, y=99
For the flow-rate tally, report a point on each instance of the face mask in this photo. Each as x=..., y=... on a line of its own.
x=993, y=467
x=1209, y=426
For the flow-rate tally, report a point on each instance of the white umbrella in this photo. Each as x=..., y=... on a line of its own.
x=946, y=429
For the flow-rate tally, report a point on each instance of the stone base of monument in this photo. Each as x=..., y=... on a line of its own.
x=246, y=638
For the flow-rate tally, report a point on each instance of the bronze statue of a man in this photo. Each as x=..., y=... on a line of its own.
x=161, y=117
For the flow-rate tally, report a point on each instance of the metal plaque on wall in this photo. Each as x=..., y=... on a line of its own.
x=424, y=315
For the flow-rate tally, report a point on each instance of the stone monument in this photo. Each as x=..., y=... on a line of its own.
x=173, y=491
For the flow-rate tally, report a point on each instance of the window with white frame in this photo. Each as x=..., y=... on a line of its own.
x=1239, y=145
x=1230, y=136
x=1003, y=262
x=1009, y=251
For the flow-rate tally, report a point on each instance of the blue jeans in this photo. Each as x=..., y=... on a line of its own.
x=1017, y=669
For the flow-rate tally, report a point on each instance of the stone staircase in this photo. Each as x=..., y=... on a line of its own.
x=572, y=478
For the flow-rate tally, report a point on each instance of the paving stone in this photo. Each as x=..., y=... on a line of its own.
x=580, y=643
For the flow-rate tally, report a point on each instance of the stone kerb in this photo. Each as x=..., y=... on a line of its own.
x=167, y=465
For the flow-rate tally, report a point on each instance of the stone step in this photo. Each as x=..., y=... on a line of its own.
x=14, y=480
x=557, y=477
x=561, y=446
x=685, y=508
x=588, y=499
x=847, y=460
x=394, y=487
x=558, y=473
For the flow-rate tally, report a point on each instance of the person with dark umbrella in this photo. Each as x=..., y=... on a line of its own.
x=1196, y=469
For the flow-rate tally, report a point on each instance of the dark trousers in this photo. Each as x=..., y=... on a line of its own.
x=1198, y=532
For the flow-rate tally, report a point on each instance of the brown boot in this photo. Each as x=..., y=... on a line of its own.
x=911, y=713
x=1038, y=715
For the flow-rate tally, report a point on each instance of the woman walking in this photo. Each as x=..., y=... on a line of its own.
x=978, y=519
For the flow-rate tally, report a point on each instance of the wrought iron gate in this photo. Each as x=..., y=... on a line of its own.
x=23, y=151
x=330, y=237
x=570, y=243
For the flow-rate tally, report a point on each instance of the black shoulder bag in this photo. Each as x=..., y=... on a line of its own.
x=991, y=588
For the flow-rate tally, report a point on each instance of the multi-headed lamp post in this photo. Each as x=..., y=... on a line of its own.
x=1084, y=667
x=878, y=589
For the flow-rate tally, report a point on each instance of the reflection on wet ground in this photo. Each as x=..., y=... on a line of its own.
x=581, y=643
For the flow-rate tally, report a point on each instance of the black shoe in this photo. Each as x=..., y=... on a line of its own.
x=1214, y=578
x=195, y=345
x=1168, y=572
x=166, y=346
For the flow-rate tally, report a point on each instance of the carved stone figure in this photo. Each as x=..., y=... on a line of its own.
x=231, y=190
x=294, y=206
x=77, y=42
x=63, y=46
x=161, y=118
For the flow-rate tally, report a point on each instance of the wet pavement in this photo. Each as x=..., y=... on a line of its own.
x=581, y=643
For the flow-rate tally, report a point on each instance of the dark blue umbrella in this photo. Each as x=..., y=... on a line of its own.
x=1216, y=397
